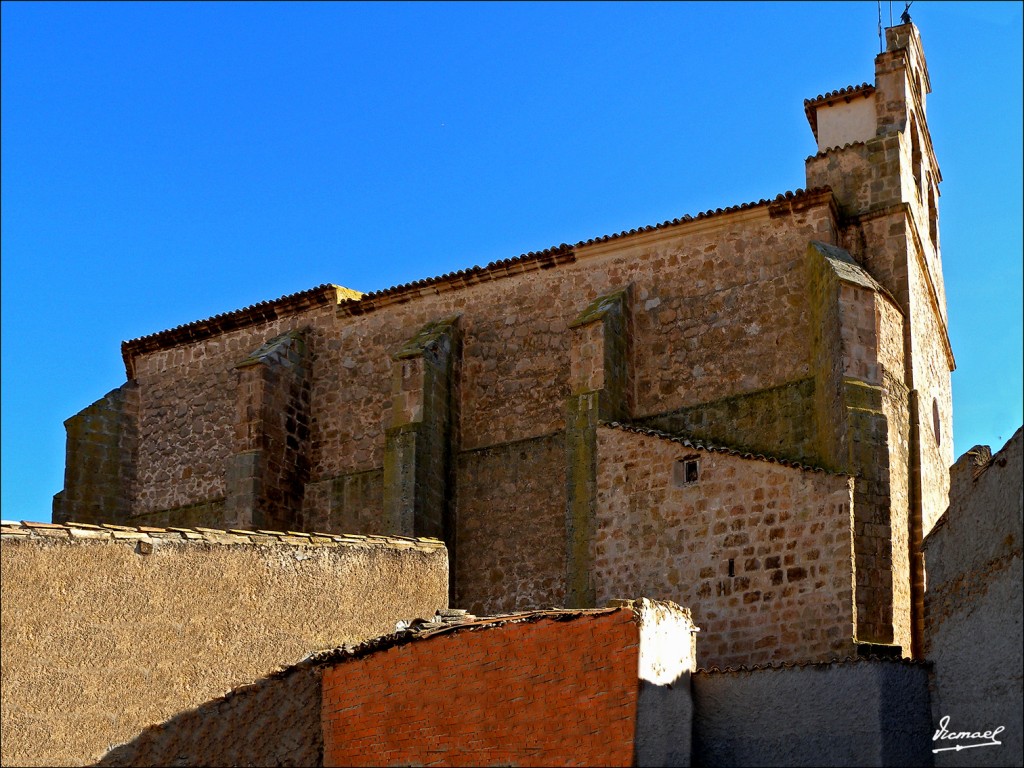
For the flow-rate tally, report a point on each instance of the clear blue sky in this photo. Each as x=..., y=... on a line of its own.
x=162, y=163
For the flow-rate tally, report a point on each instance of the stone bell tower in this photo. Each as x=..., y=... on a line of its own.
x=875, y=152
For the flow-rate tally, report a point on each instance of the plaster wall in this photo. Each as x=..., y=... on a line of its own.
x=845, y=122
x=973, y=607
x=272, y=721
x=855, y=713
x=761, y=552
x=668, y=658
x=108, y=630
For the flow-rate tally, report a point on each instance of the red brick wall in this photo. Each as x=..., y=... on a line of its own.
x=544, y=692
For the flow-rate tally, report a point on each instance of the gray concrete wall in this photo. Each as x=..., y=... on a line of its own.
x=668, y=658
x=853, y=713
x=973, y=608
x=107, y=630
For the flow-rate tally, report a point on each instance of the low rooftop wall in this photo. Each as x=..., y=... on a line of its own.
x=109, y=629
x=869, y=712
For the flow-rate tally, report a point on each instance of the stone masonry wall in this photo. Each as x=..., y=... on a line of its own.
x=101, y=444
x=546, y=692
x=779, y=421
x=511, y=501
x=109, y=629
x=706, y=325
x=267, y=472
x=189, y=396
x=761, y=552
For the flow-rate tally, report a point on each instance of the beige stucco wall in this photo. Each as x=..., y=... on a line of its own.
x=103, y=636
x=845, y=122
x=973, y=606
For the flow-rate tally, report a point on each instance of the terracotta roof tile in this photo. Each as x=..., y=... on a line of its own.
x=701, y=445
x=111, y=532
x=326, y=294
x=546, y=259
x=355, y=303
x=847, y=94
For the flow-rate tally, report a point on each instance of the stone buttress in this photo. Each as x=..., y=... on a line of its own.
x=599, y=386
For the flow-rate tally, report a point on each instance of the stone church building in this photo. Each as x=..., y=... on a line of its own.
x=746, y=411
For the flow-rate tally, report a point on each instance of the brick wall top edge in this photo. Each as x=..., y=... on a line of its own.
x=426, y=631
x=700, y=445
x=837, y=662
x=110, y=532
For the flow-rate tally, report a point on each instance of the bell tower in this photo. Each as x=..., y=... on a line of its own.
x=875, y=153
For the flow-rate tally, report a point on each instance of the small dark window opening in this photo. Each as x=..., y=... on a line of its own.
x=685, y=472
x=732, y=567
x=936, y=424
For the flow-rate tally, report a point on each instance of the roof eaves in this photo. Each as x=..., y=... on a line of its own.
x=326, y=294
x=701, y=445
x=550, y=257
x=846, y=94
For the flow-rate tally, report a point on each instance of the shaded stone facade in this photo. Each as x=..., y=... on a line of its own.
x=810, y=328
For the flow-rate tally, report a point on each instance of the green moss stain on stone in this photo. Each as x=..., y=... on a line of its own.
x=101, y=442
x=581, y=508
x=779, y=422
x=209, y=514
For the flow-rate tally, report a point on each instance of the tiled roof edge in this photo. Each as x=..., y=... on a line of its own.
x=830, y=150
x=776, y=665
x=426, y=631
x=700, y=445
x=197, y=330
x=348, y=651
x=846, y=94
x=546, y=259
x=111, y=532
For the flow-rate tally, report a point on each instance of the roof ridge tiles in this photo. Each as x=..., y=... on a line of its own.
x=702, y=445
x=354, y=302
x=847, y=90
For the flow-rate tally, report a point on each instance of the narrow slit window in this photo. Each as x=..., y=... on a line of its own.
x=685, y=472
